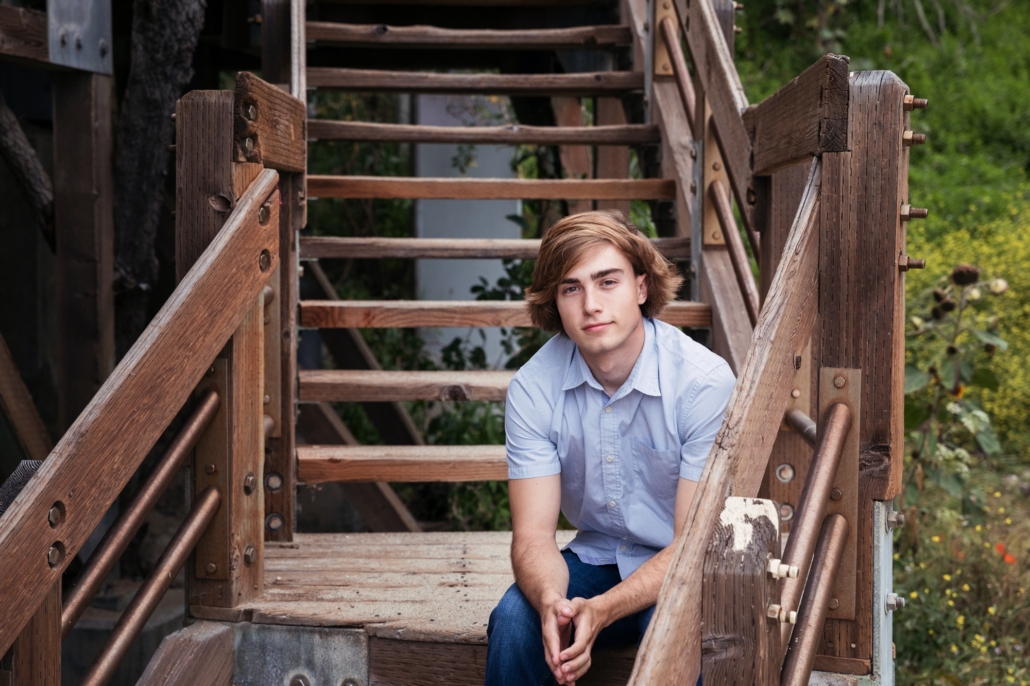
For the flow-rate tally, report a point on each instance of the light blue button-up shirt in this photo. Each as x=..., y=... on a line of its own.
x=620, y=457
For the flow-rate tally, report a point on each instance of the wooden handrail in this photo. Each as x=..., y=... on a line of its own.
x=738, y=256
x=117, y=429
x=671, y=34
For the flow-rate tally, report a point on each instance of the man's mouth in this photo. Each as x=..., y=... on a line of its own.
x=595, y=328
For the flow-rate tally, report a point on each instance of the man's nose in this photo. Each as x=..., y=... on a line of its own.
x=591, y=303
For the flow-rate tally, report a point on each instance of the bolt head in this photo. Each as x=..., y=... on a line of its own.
x=249, y=555
x=834, y=603
x=299, y=680
x=716, y=166
x=786, y=512
x=210, y=468
x=273, y=481
x=796, y=393
x=55, y=555
x=248, y=145
x=785, y=473
x=211, y=568
x=249, y=483
x=250, y=112
x=773, y=611
x=840, y=382
x=265, y=260
x=264, y=214
x=55, y=516
x=275, y=521
x=836, y=494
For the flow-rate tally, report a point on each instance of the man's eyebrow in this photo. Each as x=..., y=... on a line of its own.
x=605, y=272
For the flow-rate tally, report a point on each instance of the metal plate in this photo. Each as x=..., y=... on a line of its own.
x=272, y=655
x=79, y=33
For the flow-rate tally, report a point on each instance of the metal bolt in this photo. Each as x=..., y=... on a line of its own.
x=914, y=103
x=693, y=187
x=665, y=5
x=840, y=381
x=666, y=67
x=835, y=494
x=797, y=362
x=910, y=138
x=785, y=473
x=693, y=153
x=716, y=166
x=56, y=515
x=299, y=680
x=249, y=555
x=265, y=260
x=773, y=611
x=210, y=468
x=777, y=570
x=905, y=263
x=264, y=214
x=249, y=483
x=908, y=213
x=752, y=197
x=894, y=602
x=268, y=399
x=350, y=682
x=250, y=112
x=737, y=29
x=786, y=512
x=781, y=614
x=55, y=555
x=211, y=371
x=78, y=42
x=248, y=145
x=268, y=319
x=738, y=6
x=211, y=568
x=63, y=37
x=796, y=393
x=273, y=481
x=834, y=603
x=274, y=521
x=895, y=520
x=103, y=48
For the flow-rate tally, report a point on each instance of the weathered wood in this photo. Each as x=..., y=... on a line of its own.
x=671, y=650
x=26, y=167
x=316, y=247
x=671, y=39
x=360, y=386
x=735, y=248
x=739, y=643
x=515, y=134
x=578, y=84
x=19, y=410
x=23, y=35
x=480, y=39
x=199, y=655
x=575, y=159
x=325, y=463
x=807, y=117
x=84, y=223
x=489, y=189
x=611, y=162
x=283, y=45
x=35, y=657
x=843, y=665
x=269, y=126
x=122, y=422
x=372, y=314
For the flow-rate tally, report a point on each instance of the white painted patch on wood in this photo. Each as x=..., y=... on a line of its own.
x=739, y=513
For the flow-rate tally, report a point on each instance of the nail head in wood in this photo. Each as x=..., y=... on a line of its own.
x=716, y=166
x=796, y=393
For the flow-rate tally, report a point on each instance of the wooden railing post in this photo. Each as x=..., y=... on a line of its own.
x=35, y=657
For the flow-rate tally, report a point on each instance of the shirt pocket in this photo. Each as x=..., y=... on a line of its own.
x=657, y=471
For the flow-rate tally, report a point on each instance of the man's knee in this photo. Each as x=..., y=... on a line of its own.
x=514, y=621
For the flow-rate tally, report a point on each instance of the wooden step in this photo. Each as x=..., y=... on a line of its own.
x=328, y=247
x=489, y=189
x=347, y=385
x=364, y=35
x=579, y=84
x=413, y=463
x=406, y=314
x=628, y=134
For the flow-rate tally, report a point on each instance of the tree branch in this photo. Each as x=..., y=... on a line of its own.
x=28, y=170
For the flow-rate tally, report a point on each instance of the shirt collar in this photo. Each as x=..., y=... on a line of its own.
x=643, y=377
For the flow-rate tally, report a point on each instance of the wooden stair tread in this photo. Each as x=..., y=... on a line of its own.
x=330, y=463
x=320, y=247
x=435, y=37
x=406, y=314
x=585, y=83
x=372, y=386
x=626, y=134
x=387, y=187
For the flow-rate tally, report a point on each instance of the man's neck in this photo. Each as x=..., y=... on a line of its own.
x=612, y=368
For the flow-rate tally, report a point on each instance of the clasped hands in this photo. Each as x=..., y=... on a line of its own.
x=588, y=616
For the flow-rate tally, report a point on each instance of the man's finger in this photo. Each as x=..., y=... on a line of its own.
x=576, y=667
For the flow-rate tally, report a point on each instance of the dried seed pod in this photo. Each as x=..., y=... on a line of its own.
x=965, y=274
x=936, y=313
x=939, y=295
x=952, y=350
x=989, y=348
x=948, y=305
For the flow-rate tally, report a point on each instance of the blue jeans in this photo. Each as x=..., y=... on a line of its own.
x=515, y=647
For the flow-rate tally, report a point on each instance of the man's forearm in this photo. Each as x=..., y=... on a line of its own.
x=540, y=571
x=638, y=591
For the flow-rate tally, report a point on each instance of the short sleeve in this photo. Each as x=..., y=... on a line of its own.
x=530, y=452
x=703, y=419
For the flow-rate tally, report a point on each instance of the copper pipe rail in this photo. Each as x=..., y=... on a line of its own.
x=812, y=506
x=117, y=538
x=671, y=35
x=720, y=198
x=150, y=593
x=802, y=424
x=804, y=644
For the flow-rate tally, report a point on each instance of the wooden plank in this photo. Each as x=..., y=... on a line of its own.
x=843, y=665
x=489, y=189
x=515, y=134
x=377, y=314
x=612, y=162
x=269, y=126
x=739, y=643
x=199, y=655
x=579, y=84
x=20, y=411
x=326, y=463
x=23, y=35
x=283, y=45
x=479, y=39
x=35, y=657
x=316, y=247
x=84, y=228
x=807, y=117
x=575, y=159
x=126, y=417
x=359, y=386
x=671, y=649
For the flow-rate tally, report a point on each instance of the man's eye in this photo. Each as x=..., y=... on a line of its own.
x=609, y=282
x=568, y=289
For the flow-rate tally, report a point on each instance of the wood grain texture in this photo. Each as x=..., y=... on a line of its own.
x=611, y=162
x=671, y=649
x=283, y=45
x=19, y=410
x=278, y=130
x=807, y=117
x=405, y=314
x=489, y=189
x=575, y=159
x=326, y=463
x=843, y=665
x=316, y=247
x=124, y=419
x=23, y=35
x=360, y=386
x=199, y=655
x=720, y=197
x=579, y=84
x=478, y=39
x=516, y=134
x=36, y=654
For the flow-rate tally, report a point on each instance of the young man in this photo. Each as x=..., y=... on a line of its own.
x=611, y=423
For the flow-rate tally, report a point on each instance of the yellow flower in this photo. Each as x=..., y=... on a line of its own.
x=913, y=594
x=965, y=587
x=926, y=591
x=987, y=545
x=930, y=631
x=922, y=565
x=979, y=528
x=954, y=649
x=961, y=620
x=1008, y=520
x=983, y=649
x=951, y=603
x=997, y=494
x=1001, y=510
x=994, y=643
x=978, y=637
x=991, y=610
x=897, y=556
x=935, y=539
x=946, y=577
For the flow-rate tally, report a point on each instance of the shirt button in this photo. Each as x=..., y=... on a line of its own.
x=611, y=503
x=608, y=459
x=622, y=548
x=608, y=409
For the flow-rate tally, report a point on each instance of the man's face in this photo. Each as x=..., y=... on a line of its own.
x=599, y=301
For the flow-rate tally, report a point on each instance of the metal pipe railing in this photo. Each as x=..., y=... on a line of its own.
x=812, y=505
x=802, y=424
x=801, y=651
x=671, y=36
x=720, y=198
x=117, y=538
x=153, y=589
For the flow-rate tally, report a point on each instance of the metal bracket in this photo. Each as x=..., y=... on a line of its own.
x=883, y=583
x=662, y=65
x=841, y=385
x=713, y=169
x=79, y=34
x=266, y=654
x=800, y=394
x=211, y=468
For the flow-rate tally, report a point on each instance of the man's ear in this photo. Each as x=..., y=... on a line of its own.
x=642, y=289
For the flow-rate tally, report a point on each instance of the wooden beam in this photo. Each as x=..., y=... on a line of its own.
x=516, y=134
x=488, y=189
x=611, y=162
x=20, y=411
x=348, y=385
x=133, y=407
x=807, y=117
x=328, y=463
x=23, y=35
x=283, y=45
x=671, y=649
x=199, y=655
x=579, y=84
x=27, y=169
x=575, y=159
x=268, y=126
x=318, y=247
x=577, y=37
x=35, y=657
